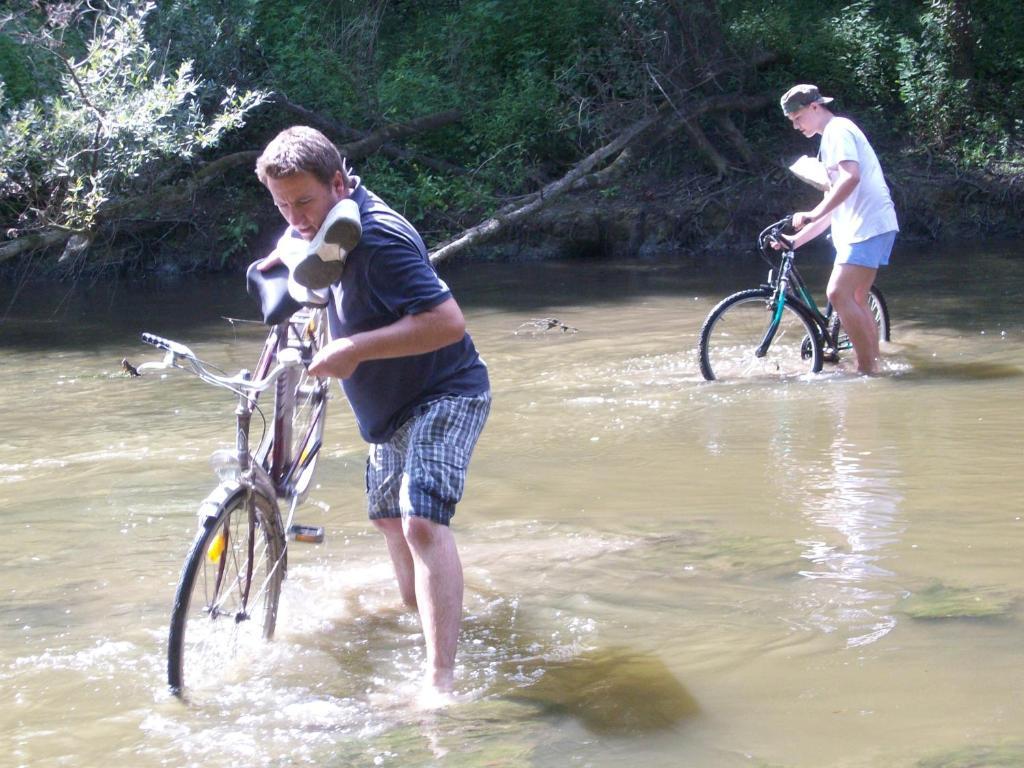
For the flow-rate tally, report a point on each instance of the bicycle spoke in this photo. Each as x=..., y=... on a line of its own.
x=227, y=602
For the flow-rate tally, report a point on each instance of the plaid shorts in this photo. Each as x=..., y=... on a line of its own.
x=421, y=471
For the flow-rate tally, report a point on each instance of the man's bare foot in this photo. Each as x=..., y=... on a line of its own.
x=431, y=697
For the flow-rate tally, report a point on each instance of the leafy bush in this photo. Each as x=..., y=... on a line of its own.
x=116, y=122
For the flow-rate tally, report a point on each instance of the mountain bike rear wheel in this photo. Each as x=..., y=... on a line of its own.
x=301, y=425
x=735, y=328
x=225, y=606
x=879, y=312
x=309, y=415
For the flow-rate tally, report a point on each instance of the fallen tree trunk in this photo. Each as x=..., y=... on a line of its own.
x=583, y=175
x=360, y=144
x=536, y=201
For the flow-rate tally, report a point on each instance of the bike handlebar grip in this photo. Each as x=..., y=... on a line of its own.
x=167, y=345
x=156, y=341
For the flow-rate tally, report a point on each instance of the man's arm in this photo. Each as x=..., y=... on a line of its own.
x=809, y=231
x=847, y=179
x=416, y=334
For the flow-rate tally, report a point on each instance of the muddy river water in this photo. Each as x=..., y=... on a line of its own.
x=660, y=571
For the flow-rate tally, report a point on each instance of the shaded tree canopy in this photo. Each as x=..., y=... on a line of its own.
x=128, y=130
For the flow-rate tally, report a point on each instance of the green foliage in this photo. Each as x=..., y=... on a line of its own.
x=512, y=67
x=234, y=235
x=937, y=101
x=14, y=72
x=866, y=49
x=947, y=72
x=114, y=101
x=118, y=118
x=413, y=86
x=216, y=35
x=322, y=55
x=420, y=194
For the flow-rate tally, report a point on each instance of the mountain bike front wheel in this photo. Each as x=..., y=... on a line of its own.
x=735, y=329
x=225, y=606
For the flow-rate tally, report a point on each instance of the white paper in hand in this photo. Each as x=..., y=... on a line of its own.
x=811, y=171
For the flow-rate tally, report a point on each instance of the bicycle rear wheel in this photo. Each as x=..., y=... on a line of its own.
x=225, y=606
x=291, y=446
x=879, y=312
x=309, y=416
x=735, y=328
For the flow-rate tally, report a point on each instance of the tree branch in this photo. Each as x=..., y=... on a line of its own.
x=360, y=144
x=583, y=174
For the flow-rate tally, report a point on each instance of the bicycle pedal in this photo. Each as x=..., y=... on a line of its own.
x=308, y=534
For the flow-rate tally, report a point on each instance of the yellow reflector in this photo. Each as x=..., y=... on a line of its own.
x=216, y=548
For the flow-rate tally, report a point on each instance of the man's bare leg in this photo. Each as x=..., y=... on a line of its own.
x=439, y=586
x=848, y=291
x=401, y=557
x=429, y=575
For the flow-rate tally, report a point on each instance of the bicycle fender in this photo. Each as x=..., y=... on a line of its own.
x=210, y=506
x=262, y=483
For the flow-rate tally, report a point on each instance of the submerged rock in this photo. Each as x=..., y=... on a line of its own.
x=940, y=601
x=1007, y=756
x=610, y=691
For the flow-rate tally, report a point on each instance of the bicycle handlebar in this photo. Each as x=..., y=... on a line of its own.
x=166, y=344
x=181, y=357
x=774, y=233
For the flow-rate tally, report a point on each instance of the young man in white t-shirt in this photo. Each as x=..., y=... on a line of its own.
x=857, y=206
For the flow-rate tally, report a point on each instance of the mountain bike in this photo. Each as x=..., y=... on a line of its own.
x=226, y=601
x=777, y=330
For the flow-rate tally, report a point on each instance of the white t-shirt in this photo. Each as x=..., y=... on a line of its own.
x=868, y=211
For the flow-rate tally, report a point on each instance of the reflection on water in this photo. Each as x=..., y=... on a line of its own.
x=660, y=571
x=847, y=493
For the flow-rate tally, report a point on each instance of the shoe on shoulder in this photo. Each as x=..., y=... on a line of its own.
x=291, y=251
x=324, y=260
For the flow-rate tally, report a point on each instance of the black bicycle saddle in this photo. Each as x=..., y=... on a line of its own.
x=270, y=289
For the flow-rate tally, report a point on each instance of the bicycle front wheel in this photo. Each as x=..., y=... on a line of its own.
x=735, y=329
x=225, y=606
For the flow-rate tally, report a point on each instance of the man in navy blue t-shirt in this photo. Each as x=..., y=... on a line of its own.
x=418, y=388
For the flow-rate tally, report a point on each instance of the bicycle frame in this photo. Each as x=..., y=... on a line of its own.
x=275, y=451
x=250, y=471
x=790, y=286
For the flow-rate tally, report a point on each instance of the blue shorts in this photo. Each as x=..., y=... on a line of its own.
x=421, y=471
x=873, y=252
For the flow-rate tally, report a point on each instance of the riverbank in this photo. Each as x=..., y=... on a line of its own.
x=649, y=216
x=672, y=208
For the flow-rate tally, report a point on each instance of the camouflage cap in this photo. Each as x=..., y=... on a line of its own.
x=800, y=96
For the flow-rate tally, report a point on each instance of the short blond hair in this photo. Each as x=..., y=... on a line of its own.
x=300, y=148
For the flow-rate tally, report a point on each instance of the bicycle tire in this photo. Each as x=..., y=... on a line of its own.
x=309, y=416
x=226, y=601
x=735, y=328
x=879, y=310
